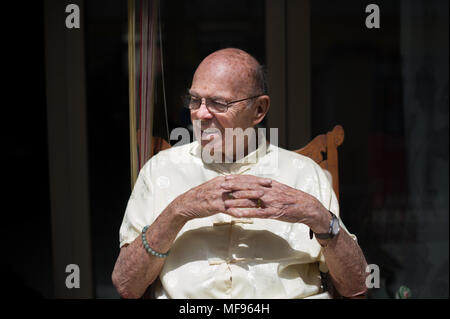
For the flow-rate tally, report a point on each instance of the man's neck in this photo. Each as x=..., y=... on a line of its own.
x=250, y=145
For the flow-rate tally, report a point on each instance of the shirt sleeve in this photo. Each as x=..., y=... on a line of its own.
x=140, y=208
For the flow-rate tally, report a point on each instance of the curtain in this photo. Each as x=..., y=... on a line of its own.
x=143, y=66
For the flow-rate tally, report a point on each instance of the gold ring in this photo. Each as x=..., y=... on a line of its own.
x=230, y=195
x=259, y=203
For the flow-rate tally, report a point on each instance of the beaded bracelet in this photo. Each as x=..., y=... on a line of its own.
x=147, y=246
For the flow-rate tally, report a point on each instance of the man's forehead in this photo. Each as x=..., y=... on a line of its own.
x=229, y=60
x=228, y=73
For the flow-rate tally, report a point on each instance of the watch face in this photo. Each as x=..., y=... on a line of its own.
x=335, y=227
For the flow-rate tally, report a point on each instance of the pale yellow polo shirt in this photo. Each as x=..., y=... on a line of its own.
x=221, y=256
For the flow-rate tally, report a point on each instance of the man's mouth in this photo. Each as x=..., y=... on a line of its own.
x=210, y=133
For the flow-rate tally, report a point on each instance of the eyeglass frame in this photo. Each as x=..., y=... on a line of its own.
x=225, y=104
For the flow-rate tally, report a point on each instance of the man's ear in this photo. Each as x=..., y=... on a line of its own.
x=260, y=108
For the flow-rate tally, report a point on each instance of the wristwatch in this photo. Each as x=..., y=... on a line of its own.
x=332, y=232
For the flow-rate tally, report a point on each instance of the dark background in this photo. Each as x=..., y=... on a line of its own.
x=26, y=262
x=393, y=163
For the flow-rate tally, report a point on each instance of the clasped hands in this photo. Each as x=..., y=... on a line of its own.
x=248, y=196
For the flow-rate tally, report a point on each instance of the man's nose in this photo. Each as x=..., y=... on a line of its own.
x=203, y=112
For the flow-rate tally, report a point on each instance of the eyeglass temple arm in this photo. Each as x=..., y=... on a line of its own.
x=247, y=98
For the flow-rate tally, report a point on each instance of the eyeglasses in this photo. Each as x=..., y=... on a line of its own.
x=214, y=106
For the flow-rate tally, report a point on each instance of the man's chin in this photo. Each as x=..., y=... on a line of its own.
x=217, y=145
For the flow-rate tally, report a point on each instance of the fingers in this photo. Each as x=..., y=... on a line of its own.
x=244, y=203
x=249, y=178
x=241, y=182
x=246, y=194
x=247, y=213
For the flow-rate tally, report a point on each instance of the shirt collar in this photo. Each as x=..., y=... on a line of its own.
x=238, y=167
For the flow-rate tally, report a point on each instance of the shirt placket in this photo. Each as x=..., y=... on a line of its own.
x=234, y=240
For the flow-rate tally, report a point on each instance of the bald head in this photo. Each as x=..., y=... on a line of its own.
x=240, y=68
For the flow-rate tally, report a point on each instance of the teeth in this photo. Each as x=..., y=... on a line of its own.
x=211, y=131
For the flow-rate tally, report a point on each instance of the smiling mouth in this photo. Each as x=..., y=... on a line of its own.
x=209, y=132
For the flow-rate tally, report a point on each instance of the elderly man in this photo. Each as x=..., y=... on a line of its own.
x=233, y=230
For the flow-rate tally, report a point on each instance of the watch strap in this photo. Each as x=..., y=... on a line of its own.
x=330, y=230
